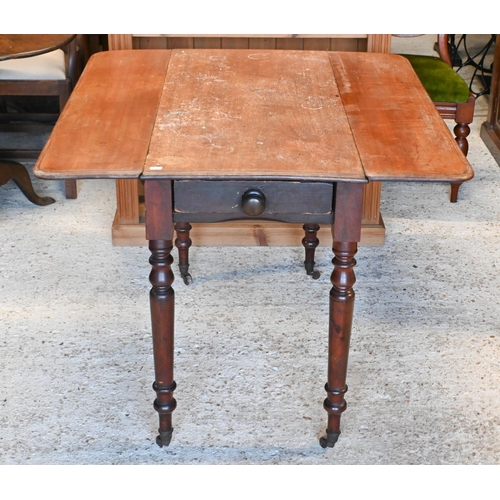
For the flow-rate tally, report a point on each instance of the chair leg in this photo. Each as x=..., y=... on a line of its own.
x=310, y=242
x=71, y=191
x=462, y=130
x=455, y=186
x=463, y=115
x=183, y=243
x=64, y=91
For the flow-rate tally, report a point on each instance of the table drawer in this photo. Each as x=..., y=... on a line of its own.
x=253, y=199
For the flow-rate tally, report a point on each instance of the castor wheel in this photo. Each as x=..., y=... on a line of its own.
x=186, y=277
x=329, y=440
x=310, y=271
x=164, y=438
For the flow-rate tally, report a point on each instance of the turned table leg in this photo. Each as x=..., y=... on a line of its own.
x=162, y=319
x=159, y=232
x=183, y=243
x=346, y=232
x=310, y=242
x=341, y=313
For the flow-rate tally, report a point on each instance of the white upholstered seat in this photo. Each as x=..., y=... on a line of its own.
x=49, y=66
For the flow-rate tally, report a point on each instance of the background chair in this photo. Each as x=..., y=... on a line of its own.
x=449, y=92
x=25, y=85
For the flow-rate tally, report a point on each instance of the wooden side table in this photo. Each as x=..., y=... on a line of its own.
x=206, y=120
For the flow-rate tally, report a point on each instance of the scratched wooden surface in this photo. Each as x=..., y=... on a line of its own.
x=264, y=114
x=398, y=131
x=252, y=114
x=105, y=128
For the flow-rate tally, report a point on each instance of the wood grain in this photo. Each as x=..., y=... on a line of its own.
x=243, y=233
x=398, y=131
x=252, y=114
x=131, y=232
x=490, y=129
x=105, y=128
x=120, y=42
x=255, y=36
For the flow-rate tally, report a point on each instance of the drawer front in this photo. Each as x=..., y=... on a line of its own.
x=237, y=199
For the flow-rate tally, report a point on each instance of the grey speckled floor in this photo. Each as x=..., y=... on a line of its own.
x=76, y=357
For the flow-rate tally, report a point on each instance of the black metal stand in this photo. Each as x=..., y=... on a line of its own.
x=482, y=72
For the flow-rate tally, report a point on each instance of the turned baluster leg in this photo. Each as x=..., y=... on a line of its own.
x=462, y=130
x=162, y=318
x=310, y=242
x=346, y=232
x=341, y=313
x=183, y=243
x=159, y=232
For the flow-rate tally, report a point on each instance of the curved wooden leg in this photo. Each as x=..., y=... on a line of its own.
x=310, y=242
x=18, y=173
x=455, y=186
x=162, y=318
x=183, y=243
x=341, y=314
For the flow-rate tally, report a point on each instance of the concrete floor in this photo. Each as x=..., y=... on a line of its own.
x=76, y=357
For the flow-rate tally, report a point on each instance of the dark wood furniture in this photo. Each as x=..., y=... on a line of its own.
x=450, y=94
x=205, y=122
x=28, y=48
x=490, y=129
x=14, y=171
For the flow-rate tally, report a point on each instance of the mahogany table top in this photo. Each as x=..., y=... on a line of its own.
x=18, y=46
x=252, y=114
x=229, y=114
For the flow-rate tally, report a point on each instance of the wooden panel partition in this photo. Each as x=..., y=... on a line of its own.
x=128, y=225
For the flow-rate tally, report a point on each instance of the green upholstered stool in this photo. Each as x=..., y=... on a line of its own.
x=449, y=92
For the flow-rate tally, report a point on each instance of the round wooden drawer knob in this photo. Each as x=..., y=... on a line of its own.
x=253, y=202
